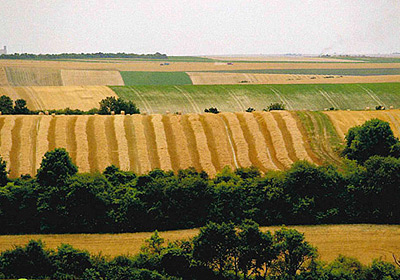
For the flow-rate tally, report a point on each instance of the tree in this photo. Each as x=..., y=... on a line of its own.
x=56, y=168
x=116, y=105
x=213, y=110
x=3, y=172
x=374, y=137
x=292, y=251
x=20, y=107
x=6, y=105
x=216, y=245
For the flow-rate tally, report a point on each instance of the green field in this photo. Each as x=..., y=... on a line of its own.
x=371, y=59
x=236, y=98
x=132, y=78
x=343, y=72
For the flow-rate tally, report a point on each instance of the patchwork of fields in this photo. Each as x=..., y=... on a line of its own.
x=364, y=242
x=140, y=143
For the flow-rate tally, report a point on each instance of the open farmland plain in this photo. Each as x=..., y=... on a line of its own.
x=364, y=242
x=209, y=142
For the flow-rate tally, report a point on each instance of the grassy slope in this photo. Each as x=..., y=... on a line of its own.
x=234, y=98
x=343, y=72
x=364, y=242
x=132, y=78
x=324, y=140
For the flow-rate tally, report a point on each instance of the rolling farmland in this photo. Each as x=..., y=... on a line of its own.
x=365, y=242
x=237, y=98
x=141, y=143
x=132, y=78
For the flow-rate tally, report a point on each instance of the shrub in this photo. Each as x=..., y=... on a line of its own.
x=250, y=109
x=213, y=110
x=275, y=106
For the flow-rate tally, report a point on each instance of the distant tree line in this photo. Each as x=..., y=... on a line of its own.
x=220, y=251
x=107, y=106
x=98, y=55
x=60, y=200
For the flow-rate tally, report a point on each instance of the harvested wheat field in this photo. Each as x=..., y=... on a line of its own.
x=365, y=242
x=187, y=66
x=33, y=76
x=91, y=78
x=212, y=78
x=47, y=98
x=343, y=120
x=140, y=143
x=3, y=77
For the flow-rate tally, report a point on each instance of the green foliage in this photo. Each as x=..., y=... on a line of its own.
x=250, y=109
x=213, y=110
x=20, y=107
x=374, y=137
x=275, y=106
x=3, y=172
x=31, y=261
x=64, y=56
x=71, y=263
x=154, y=244
x=6, y=105
x=345, y=268
x=380, y=270
x=56, y=168
x=116, y=105
x=293, y=252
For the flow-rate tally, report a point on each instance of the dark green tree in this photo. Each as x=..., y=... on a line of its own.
x=6, y=105
x=71, y=263
x=116, y=105
x=56, y=168
x=374, y=137
x=216, y=246
x=293, y=252
x=20, y=107
x=3, y=172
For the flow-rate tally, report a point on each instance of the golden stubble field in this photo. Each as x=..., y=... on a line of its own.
x=140, y=143
x=211, y=78
x=365, y=242
x=187, y=66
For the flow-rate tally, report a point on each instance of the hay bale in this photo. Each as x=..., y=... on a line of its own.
x=367, y=108
x=41, y=113
x=46, y=113
x=167, y=112
x=53, y=114
x=391, y=107
x=122, y=112
x=112, y=113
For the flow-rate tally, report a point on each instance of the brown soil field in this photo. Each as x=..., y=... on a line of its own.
x=46, y=98
x=364, y=242
x=185, y=66
x=209, y=78
x=280, y=58
x=343, y=120
x=91, y=78
x=140, y=143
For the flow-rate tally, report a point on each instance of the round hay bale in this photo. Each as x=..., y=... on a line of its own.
x=122, y=112
x=112, y=113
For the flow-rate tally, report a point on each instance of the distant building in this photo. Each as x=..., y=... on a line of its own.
x=3, y=51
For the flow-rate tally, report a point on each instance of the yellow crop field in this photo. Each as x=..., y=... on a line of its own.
x=91, y=78
x=140, y=143
x=343, y=120
x=212, y=78
x=3, y=77
x=46, y=98
x=187, y=66
x=365, y=242
x=33, y=76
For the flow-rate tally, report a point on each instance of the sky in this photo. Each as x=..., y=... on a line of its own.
x=201, y=27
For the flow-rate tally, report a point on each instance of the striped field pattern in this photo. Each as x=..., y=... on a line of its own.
x=140, y=143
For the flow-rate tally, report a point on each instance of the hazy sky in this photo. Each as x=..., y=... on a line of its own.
x=199, y=27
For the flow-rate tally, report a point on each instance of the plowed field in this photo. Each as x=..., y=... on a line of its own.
x=47, y=98
x=140, y=143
